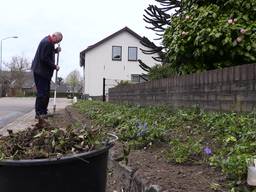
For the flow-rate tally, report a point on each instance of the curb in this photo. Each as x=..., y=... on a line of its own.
x=129, y=179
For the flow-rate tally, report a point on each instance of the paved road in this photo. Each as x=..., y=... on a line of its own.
x=13, y=107
x=19, y=111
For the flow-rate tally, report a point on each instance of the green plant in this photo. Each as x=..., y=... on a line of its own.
x=208, y=35
x=222, y=140
x=123, y=82
x=184, y=151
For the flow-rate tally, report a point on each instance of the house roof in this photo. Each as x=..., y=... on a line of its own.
x=126, y=29
x=60, y=87
x=27, y=79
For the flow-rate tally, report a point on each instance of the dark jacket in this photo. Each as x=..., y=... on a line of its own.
x=44, y=60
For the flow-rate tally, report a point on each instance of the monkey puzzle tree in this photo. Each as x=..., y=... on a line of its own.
x=158, y=18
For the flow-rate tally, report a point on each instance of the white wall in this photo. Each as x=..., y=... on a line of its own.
x=99, y=63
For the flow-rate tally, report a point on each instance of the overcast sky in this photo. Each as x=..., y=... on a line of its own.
x=82, y=22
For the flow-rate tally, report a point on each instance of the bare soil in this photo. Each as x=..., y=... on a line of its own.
x=151, y=165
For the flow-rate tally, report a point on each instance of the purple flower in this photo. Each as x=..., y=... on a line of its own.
x=207, y=151
x=142, y=129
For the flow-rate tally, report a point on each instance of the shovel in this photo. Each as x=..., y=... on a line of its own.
x=56, y=79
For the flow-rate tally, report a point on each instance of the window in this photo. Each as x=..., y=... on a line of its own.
x=117, y=53
x=135, y=78
x=132, y=54
x=139, y=78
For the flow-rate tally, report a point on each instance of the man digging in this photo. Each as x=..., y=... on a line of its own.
x=43, y=67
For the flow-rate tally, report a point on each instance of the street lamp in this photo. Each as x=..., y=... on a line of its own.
x=1, y=61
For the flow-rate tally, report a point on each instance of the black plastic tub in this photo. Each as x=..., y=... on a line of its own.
x=81, y=172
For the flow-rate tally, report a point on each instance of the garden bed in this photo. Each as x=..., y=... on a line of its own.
x=149, y=160
x=193, y=146
x=150, y=166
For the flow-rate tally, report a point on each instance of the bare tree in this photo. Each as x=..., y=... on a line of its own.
x=74, y=80
x=17, y=68
x=18, y=63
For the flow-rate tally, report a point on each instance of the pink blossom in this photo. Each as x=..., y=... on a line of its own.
x=243, y=31
x=239, y=39
x=187, y=17
x=183, y=33
x=230, y=21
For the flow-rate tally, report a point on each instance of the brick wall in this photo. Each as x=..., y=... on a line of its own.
x=228, y=89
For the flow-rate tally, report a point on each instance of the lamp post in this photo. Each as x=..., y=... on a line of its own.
x=1, y=61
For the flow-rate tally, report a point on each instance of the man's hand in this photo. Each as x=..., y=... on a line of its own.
x=57, y=49
x=57, y=67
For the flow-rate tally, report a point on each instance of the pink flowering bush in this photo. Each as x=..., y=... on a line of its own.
x=210, y=36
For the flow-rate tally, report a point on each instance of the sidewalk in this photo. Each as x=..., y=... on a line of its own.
x=28, y=119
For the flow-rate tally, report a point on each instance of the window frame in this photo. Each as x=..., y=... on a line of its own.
x=116, y=59
x=136, y=54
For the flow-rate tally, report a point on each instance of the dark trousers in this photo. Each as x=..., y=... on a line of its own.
x=42, y=95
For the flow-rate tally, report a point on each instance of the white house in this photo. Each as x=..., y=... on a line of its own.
x=114, y=57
